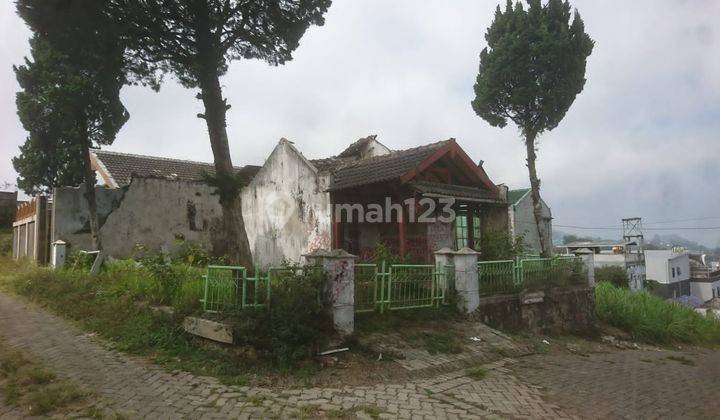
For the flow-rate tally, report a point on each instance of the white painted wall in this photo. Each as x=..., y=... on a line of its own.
x=286, y=207
x=522, y=223
x=705, y=290
x=661, y=264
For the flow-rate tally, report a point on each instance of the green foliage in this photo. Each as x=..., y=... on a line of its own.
x=500, y=246
x=617, y=276
x=382, y=253
x=651, y=319
x=440, y=342
x=26, y=383
x=294, y=325
x=70, y=96
x=477, y=373
x=533, y=66
x=206, y=35
x=109, y=304
x=6, y=242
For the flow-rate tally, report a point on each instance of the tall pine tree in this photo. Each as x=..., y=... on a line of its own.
x=196, y=40
x=530, y=73
x=69, y=102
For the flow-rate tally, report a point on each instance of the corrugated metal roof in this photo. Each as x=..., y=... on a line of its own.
x=514, y=196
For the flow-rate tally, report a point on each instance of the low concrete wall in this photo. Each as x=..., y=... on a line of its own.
x=557, y=310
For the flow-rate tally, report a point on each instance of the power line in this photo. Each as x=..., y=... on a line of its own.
x=665, y=228
x=682, y=220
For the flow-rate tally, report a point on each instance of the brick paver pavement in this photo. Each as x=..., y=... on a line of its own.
x=137, y=389
x=613, y=385
x=630, y=384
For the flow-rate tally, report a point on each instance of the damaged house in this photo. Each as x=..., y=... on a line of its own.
x=291, y=204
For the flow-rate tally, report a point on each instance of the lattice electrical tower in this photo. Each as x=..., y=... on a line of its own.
x=634, y=251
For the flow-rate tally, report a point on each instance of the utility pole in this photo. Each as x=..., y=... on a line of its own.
x=634, y=252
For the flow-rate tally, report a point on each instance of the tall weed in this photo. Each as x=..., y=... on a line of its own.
x=651, y=319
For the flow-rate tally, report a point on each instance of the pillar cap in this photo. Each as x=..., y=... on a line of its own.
x=335, y=253
x=444, y=251
x=466, y=251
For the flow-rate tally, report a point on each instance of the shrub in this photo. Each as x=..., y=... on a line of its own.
x=295, y=323
x=651, y=319
x=617, y=276
x=6, y=242
x=500, y=246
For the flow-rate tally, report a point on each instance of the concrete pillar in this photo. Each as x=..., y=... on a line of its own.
x=443, y=258
x=339, y=269
x=59, y=252
x=466, y=279
x=589, y=263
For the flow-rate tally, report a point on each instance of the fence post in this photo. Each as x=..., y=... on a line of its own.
x=466, y=279
x=58, y=254
x=443, y=257
x=588, y=260
x=339, y=269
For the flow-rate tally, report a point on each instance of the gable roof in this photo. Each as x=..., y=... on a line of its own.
x=121, y=167
x=356, y=147
x=382, y=168
x=514, y=196
x=403, y=166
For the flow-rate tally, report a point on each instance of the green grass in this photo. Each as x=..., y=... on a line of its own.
x=440, y=342
x=650, y=319
x=477, y=373
x=6, y=236
x=108, y=305
x=26, y=383
x=115, y=305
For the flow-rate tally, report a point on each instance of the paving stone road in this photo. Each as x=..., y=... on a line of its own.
x=589, y=387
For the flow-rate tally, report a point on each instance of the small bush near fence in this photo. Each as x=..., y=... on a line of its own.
x=500, y=246
x=617, y=276
x=293, y=325
x=651, y=319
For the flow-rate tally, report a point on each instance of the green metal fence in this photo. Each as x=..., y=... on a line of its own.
x=222, y=284
x=511, y=276
x=497, y=277
x=400, y=286
x=228, y=288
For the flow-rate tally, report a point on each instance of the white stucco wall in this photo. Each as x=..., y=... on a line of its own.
x=660, y=264
x=522, y=221
x=287, y=211
x=704, y=290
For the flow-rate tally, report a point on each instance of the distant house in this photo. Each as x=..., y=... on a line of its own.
x=704, y=278
x=670, y=270
x=289, y=202
x=522, y=219
x=609, y=253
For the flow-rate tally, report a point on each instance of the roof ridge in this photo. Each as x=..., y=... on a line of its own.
x=394, y=153
x=167, y=159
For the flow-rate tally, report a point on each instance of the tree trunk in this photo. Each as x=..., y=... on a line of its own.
x=535, y=194
x=89, y=176
x=235, y=242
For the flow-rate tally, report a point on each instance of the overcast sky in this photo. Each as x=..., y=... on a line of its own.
x=642, y=139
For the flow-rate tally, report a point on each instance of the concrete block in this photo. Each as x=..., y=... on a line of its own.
x=216, y=331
